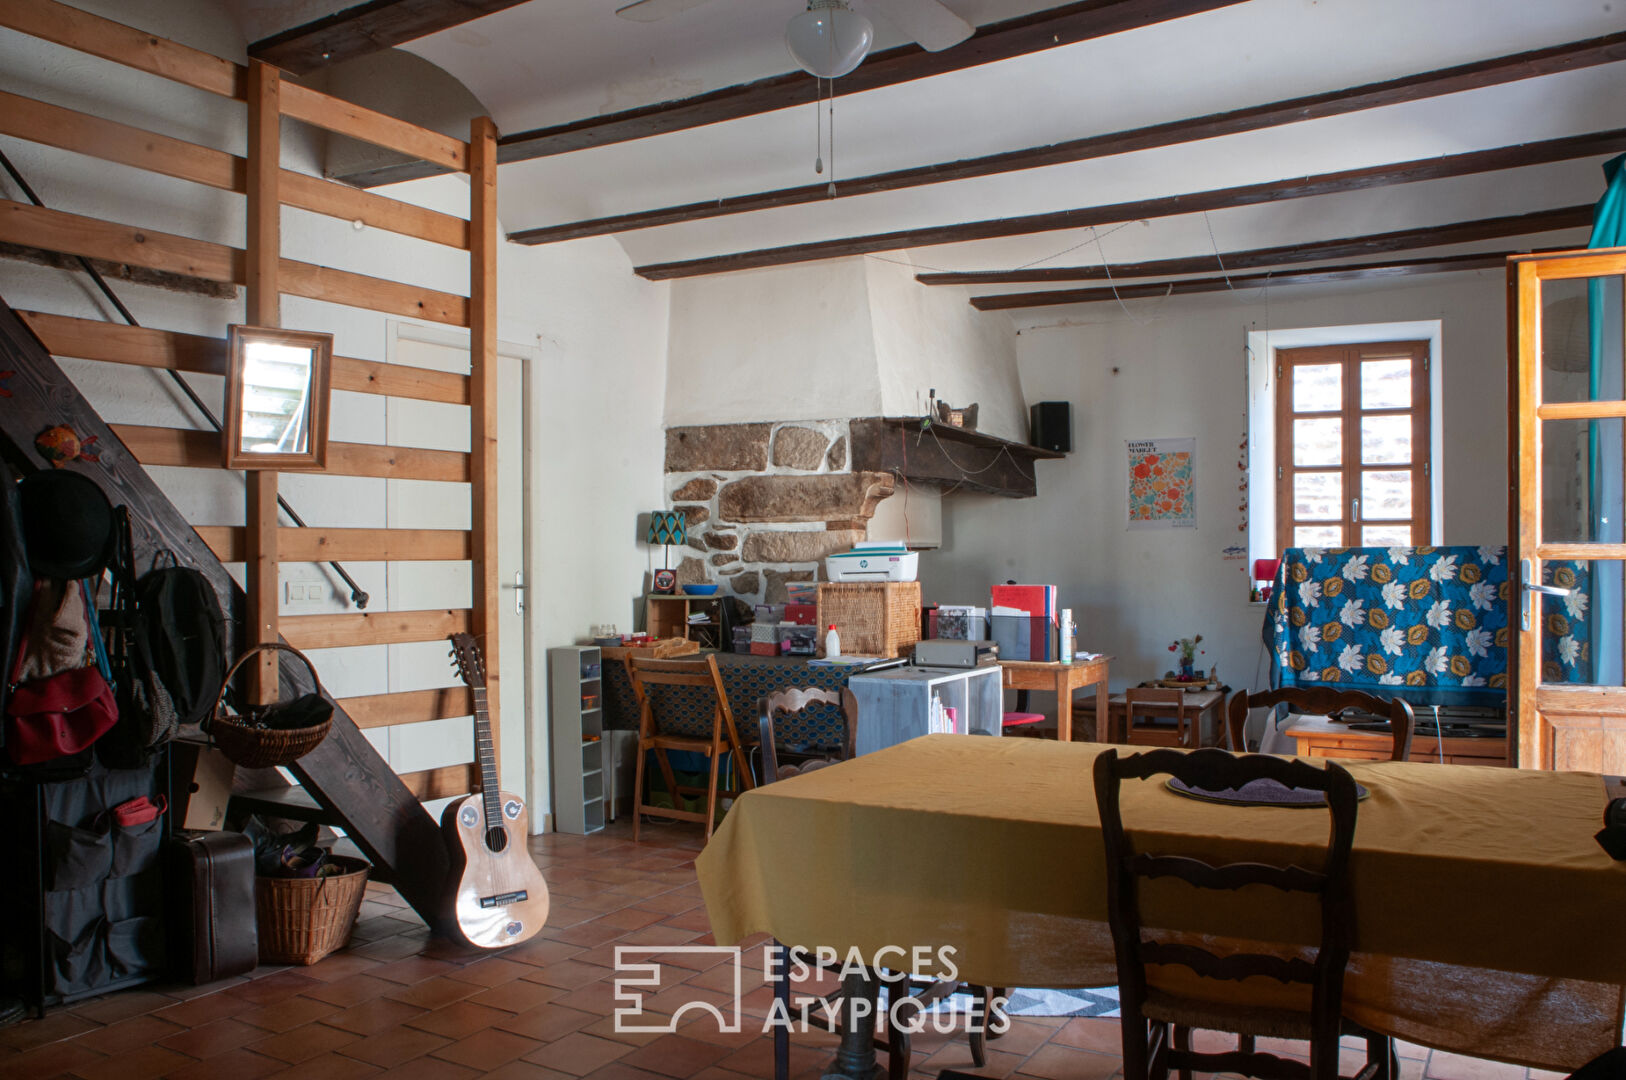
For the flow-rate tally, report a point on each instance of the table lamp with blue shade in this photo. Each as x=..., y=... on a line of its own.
x=666, y=527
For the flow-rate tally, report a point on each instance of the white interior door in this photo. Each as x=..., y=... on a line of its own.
x=427, y=585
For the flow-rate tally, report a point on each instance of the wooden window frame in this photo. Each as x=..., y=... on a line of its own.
x=1350, y=357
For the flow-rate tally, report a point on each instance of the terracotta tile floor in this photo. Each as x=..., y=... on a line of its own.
x=399, y=1003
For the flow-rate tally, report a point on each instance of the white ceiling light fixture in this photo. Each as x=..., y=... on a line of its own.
x=829, y=39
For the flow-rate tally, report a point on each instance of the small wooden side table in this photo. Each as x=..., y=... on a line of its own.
x=1064, y=679
x=1319, y=737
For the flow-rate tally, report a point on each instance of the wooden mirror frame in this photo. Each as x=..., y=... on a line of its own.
x=314, y=458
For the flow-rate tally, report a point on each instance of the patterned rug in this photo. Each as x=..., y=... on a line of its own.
x=1101, y=1001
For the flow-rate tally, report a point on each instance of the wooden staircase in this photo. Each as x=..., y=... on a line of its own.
x=344, y=781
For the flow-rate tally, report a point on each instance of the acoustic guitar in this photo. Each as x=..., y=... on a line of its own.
x=501, y=898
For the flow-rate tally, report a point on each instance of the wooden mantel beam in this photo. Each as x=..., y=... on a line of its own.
x=1460, y=232
x=1031, y=33
x=1568, y=148
x=365, y=28
x=1140, y=290
x=1504, y=69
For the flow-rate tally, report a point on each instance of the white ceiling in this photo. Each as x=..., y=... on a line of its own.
x=553, y=61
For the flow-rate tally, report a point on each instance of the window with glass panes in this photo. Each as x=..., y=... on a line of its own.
x=1352, y=444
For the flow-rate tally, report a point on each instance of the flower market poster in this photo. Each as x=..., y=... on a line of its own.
x=1162, y=483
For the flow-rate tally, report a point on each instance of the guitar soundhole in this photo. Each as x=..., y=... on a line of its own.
x=496, y=839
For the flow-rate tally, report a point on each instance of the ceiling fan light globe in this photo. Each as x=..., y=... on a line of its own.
x=828, y=39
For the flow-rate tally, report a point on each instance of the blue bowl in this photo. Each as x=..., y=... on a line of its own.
x=699, y=590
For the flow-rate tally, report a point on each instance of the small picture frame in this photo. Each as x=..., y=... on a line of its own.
x=665, y=581
x=277, y=391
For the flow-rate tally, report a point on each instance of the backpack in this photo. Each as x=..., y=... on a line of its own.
x=169, y=651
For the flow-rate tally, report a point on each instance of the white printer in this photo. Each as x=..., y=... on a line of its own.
x=873, y=560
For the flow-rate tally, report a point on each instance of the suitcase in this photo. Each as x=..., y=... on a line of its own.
x=212, y=929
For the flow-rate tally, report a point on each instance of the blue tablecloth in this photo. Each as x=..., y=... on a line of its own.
x=1428, y=624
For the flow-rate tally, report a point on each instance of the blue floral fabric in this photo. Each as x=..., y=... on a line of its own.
x=1429, y=624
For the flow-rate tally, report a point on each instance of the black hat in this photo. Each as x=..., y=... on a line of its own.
x=67, y=524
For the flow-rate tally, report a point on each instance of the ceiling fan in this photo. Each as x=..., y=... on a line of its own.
x=829, y=39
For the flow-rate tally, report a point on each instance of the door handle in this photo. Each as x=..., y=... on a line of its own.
x=1526, y=587
x=519, y=592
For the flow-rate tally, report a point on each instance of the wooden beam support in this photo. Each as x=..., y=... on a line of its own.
x=409, y=707
x=317, y=544
x=195, y=448
x=1020, y=36
x=366, y=28
x=1595, y=144
x=945, y=460
x=1569, y=57
x=372, y=628
x=91, y=339
x=483, y=244
x=335, y=114
x=72, y=234
x=264, y=308
x=1185, y=286
x=444, y=782
x=372, y=293
x=64, y=25
x=1462, y=232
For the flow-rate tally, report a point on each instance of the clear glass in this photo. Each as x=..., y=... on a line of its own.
x=1385, y=495
x=1386, y=536
x=1318, y=535
x=1386, y=440
x=1318, y=442
x=1566, y=351
x=1581, y=633
x=1318, y=496
x=1386, y=384
x=1581, y=470
x=1318, y=387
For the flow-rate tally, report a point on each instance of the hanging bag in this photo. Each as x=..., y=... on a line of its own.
x=281, y=733
x=65, y=711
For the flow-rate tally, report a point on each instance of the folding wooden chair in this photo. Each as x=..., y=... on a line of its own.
x=701, y=674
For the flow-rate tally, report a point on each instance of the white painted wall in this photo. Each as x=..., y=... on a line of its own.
x=1181, y=370
x=932, y=338
x=838, y=339
x=596, y=389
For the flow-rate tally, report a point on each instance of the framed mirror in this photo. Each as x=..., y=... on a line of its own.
x=277, y=384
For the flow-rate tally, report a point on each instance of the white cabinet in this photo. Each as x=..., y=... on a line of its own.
x=576, y=694
x=895, y=705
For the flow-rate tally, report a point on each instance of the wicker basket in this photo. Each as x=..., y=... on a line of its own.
x=873, y=618
x=263, y=748
x=304, y=919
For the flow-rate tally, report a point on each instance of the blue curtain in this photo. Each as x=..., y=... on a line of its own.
x=1607, y=454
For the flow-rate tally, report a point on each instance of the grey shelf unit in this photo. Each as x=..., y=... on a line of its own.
x=894, y=706
x=576, y=672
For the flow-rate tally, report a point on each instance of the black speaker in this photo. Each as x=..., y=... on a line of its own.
x=1050, y=426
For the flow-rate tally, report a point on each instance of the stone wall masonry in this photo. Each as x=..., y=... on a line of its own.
x=768, y=501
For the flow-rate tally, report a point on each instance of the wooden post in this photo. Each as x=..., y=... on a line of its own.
x=264, y=308
x=483, y=401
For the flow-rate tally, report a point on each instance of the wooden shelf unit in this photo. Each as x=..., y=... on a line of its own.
x=666, y=615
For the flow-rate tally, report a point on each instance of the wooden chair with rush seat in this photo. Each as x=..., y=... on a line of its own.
x=724, y=738
x=1322, y=701
x=1160, y=1009
x=797, y=700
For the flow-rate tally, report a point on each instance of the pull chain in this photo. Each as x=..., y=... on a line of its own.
x=818, y=126
x=832, y=187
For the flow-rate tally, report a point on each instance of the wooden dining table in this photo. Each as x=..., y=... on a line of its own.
x=1485, y=914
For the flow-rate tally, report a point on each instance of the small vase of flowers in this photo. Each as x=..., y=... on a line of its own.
x=1187, y=648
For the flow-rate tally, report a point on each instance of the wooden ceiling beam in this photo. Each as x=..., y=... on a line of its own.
x=366, y=28
x=1461, y=232
x=1504, y=69
x=1568, y=148
x=1031, y=33
x=1352, y=272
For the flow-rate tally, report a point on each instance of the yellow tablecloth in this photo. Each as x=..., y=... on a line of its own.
x=1488, y=921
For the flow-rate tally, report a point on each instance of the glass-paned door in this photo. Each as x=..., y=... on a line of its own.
x=1568, y=388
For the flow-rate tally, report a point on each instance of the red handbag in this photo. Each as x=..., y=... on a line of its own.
x=62, y=714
